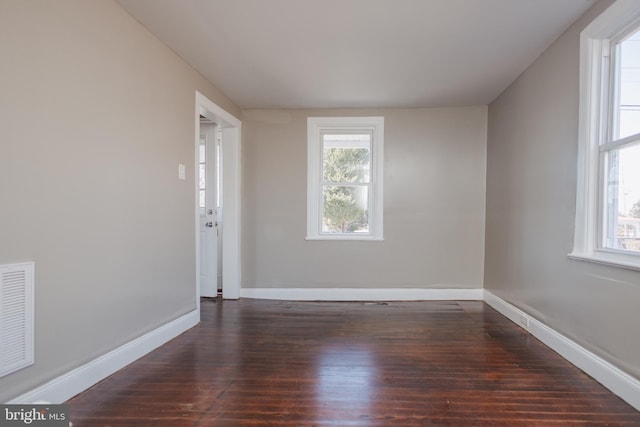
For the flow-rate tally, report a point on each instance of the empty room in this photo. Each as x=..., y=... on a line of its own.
x=320, y=212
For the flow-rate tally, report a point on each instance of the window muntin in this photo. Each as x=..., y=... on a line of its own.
x=344, y=179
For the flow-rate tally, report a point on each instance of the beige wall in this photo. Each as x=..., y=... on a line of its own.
x=531, y=190
x=95, y=115
x=434, y=187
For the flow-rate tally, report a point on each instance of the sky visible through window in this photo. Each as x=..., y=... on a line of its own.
x=629, y=122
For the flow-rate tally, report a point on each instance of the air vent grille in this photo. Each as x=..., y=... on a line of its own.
x=16, y=317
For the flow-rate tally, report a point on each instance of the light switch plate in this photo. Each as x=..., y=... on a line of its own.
x=181, y=171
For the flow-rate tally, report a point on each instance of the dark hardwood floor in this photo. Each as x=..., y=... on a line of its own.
x=278, y=363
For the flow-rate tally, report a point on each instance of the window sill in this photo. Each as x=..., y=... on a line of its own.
x=345, y=238
x=613, y=259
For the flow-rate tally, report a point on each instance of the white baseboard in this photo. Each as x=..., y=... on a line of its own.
x=622, y=384
x=357, y=294
x=70, y=384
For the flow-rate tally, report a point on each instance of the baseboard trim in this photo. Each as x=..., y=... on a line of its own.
x=70, y=384
x=357, y=294
x=620, y=383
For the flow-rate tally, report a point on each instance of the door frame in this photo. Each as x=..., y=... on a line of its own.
x=231, y=197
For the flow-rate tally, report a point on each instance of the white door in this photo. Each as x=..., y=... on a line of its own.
x=209, y=210
x=230, y=195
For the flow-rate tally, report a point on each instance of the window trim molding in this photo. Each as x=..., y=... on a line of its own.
x=594, y=43
x=317, y=125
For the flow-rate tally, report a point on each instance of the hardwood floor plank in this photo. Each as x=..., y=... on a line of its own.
x=282, y=363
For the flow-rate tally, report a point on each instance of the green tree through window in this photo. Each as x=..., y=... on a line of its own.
x=635, y=210
x=346, y=170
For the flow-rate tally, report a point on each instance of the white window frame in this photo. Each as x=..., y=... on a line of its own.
x=594, y=120
x=316, y=126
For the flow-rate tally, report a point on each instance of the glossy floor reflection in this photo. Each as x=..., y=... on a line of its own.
x=276, y=363
x=347, y=376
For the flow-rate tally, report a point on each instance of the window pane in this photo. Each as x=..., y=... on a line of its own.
x=629, y=96
x=202, y=181
x=629, y=121
x=203, y=176
x=202, y=184
x=218, y=172
x=346, y=158
x=623, y=199
x=344, y=209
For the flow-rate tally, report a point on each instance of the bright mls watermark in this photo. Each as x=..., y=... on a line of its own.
x=34, y=415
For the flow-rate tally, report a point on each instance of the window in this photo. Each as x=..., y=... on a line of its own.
x=344, y=181
x=608, y=199
x=202, y=161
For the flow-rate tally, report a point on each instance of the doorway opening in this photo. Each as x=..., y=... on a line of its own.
x=210, y=207
x=218, y=198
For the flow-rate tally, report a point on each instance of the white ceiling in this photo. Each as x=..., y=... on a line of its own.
x=358, y=53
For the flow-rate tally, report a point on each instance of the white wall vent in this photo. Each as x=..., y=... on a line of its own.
x=16, y=316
